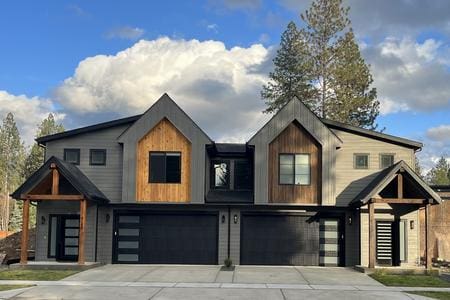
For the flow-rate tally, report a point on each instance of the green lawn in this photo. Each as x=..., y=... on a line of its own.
x=434, y=295
x=410, y=280
x=18, y=274
x=12, y=287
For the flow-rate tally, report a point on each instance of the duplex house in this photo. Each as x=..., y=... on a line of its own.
x=155, y=188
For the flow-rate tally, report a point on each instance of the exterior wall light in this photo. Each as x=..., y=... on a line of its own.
x=223, y=218
x=42, y=220
x=235, y=219
x=411, y=224
x=350, y=220
x=107, y=217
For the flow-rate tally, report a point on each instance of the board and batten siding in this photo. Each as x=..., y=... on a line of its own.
x=294, y=110
x=107, y=178
x=350, y=181
x=164, y=108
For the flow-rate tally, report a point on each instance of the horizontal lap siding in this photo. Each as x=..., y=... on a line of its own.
x=351, y=181
x=107, y=178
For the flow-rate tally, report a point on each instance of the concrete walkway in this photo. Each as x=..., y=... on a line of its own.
x=209, y=282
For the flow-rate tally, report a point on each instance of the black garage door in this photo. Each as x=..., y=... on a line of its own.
x=166, y=238
x=286, y=239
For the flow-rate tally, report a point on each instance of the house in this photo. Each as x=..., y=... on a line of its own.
x=154, y=188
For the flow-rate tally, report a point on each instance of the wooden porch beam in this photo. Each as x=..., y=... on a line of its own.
x=53, y=197
x=399, y=200
x=55, y=179
x=400, y=186
x=427, y=237
x=371, y=235
x=82, y=232
x=25, y=233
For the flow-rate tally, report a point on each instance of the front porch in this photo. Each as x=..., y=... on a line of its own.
x=59, y=182
x=389, y=212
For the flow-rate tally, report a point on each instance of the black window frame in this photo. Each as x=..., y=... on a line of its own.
x=165, y=164
x=236, y=183
x=355, y=166
x=212, y=174
x=75, y=150
x=381, y=159
x=293, y=170
x=91, y=163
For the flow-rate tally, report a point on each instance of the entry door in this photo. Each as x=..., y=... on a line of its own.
x=64, y=237
x=391, y=242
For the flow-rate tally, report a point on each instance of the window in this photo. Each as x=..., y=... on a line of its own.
x=165, y=167
x=295, y=169
x=361, y=161
x=386, y=160
x=97, y=157
x=72, y=156
x=242, y=175
x=220, y=174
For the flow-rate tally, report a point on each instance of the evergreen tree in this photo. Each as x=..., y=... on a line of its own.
x=291, y=75
x=333, y=68
x=12, y=153
x=438, y=175
x=35, y=158
x=417, y=167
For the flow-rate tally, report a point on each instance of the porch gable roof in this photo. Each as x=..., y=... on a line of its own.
x=385, y=177
x=73, y=175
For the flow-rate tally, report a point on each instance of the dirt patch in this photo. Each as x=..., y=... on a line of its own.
x=10, y=247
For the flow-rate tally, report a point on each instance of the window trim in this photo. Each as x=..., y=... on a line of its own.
x=72, y=149
x=90, y=157
x=381, y=161
x=212, y=174
x=165, y=170
x=354, y=161
x=293, y=174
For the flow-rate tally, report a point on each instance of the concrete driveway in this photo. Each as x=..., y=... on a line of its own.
x=214, y=274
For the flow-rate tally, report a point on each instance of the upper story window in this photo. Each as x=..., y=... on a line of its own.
x=97, y=157
x=72, y=156
x=295, y=169
x=361, y=161
x=165, y=167
x=220, y=174
x=386, y=160
x=242, y=175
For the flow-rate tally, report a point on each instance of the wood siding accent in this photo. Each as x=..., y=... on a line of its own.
x=296, y=140
x=163, y=137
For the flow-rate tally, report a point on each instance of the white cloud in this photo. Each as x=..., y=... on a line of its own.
x=125, y=32
x=439, y=133
x=28, y=112
x=239, y=4
x=218, y=87
x=409, y=75
x=212, y=27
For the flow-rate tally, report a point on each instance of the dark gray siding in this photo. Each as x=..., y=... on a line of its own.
x=108, y=179
x=164, y=108
x=295, y=110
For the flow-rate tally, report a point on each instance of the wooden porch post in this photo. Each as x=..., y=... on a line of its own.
x=400, y=186
x=82, y=233
x=427, y=237
x=371, y=234
x=24, y=241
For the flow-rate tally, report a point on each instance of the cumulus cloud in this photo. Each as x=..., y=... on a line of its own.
x=218, y=87
x=125, y=32
x=212, y=27
x=440, y=133
x=409, y=75
x=28, y=112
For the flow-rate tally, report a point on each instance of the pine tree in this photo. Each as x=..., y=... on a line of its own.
x=417, y=167
x=291, y=75
x=12, y=153
x=35, y=157
x=438, y=175
x=333, y=68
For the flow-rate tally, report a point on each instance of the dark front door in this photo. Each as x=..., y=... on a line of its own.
x=276, y=239
x=166, y=238
x=391, y=242
x=64, y=234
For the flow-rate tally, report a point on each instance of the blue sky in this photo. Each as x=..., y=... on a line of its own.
x=91, y=61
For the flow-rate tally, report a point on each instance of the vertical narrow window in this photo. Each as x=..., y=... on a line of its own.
x=295, y=169
x=165, y=167
x=361, y=161
x=53, y=222
x=72, y=156
x=386, y=160
x=220, y=174
x=403, y=240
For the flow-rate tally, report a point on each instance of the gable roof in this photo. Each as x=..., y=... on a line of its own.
x=71, y=172
x=373, y=134
x=384, y=177
x=163, y=104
